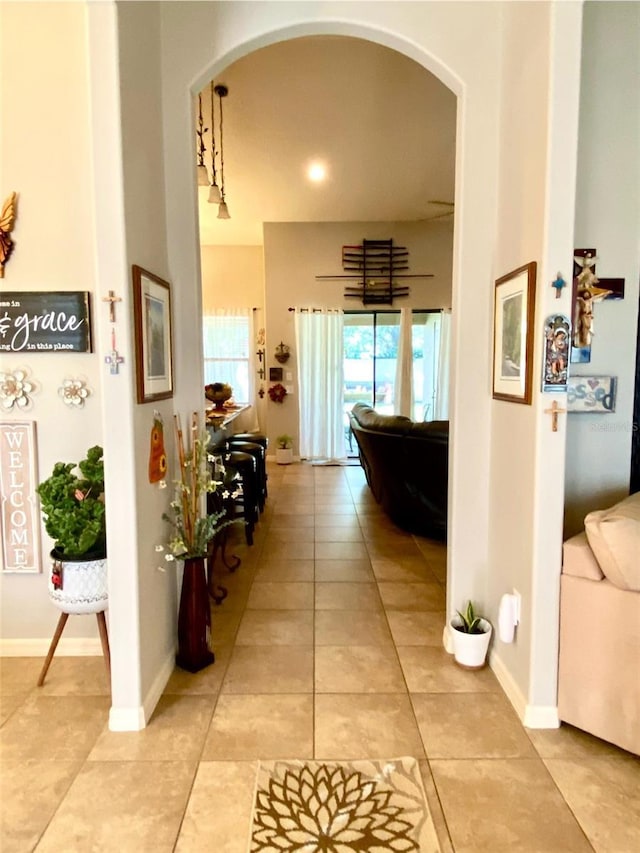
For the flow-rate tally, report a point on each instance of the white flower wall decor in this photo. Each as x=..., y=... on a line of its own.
x=15, y=390
x=74, y=392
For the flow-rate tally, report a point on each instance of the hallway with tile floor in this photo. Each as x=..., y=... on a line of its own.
x=329, y=645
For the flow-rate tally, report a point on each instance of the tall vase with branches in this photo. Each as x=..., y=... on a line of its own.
x=193, y=528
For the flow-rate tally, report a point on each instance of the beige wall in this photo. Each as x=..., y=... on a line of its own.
x=233, y=277
x=46, y=159
x=465, y=45
x=608, y=218
x=156, y=65
x=295, y=253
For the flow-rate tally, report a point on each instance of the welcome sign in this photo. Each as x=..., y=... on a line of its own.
x=54, y=321
x=19, y=516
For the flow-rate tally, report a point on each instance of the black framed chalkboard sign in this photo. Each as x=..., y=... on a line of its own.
x=52, y=321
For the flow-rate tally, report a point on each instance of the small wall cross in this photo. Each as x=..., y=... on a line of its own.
x=112, y=299
x=114, y=360
x=554, y=411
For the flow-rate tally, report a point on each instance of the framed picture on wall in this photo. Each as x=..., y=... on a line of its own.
x=513, y=316
x=153, y=336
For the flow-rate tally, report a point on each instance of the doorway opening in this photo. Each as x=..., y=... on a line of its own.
x=370, y=364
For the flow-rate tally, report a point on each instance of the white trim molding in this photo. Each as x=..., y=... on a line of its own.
x=38, y=647
x=531, y=716
x=135, y=719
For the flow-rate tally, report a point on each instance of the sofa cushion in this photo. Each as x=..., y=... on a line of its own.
x=370, y=419
x=578, y=559
x=434, y=429
x=614, y=537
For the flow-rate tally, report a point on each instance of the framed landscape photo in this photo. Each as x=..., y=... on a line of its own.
x=513, y=335
x=154, y=353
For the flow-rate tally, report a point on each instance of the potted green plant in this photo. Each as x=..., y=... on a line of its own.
x=471, y=635
x=284, y=449
x=72, y=503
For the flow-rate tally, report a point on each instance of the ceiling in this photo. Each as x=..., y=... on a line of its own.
x=383, y=126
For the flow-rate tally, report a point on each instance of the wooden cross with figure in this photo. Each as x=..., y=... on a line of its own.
x=554, y=411
x=112, y=299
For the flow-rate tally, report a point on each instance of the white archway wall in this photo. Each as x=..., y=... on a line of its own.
x=176, y=46
x=541, y=78
x=463, y=36
x=497, y=58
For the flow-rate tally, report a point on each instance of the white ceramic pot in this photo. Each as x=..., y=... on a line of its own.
x=284, y=456
x=84, y=586
x=470, y=650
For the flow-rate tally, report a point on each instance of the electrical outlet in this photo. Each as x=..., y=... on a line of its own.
x=289, y=376
x=518, y=606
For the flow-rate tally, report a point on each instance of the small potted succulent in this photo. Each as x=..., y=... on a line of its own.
x=72, y=503
x=284, y=449
x=471, y=635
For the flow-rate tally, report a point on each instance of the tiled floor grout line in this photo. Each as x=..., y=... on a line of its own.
x=541, y=753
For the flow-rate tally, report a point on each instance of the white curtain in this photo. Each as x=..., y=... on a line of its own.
x=319, y=347
x=229, y=338
x=441, y=412
x=403, y=392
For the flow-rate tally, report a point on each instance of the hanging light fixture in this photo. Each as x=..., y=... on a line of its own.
x=203, y=177
x=223, y=210
x=214, y=189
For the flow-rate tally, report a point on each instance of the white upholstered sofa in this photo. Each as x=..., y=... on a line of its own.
x=599, y=667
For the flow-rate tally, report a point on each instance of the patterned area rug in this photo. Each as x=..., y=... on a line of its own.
x=341, y=807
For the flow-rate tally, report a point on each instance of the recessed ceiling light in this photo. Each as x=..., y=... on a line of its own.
x=317, y=172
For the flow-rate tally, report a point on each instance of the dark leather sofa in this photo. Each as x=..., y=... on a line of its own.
x=406, y=466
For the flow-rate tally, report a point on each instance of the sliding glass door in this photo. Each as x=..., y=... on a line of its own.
x=371, y=341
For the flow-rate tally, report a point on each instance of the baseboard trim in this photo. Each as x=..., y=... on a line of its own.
x=135, y=719
x=126, y=719
x=159, y=683
x=38, y=647
x=531, y=716
x=506, y=680
x=541, y=717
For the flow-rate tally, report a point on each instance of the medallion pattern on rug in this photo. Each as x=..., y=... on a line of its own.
x=341, y=807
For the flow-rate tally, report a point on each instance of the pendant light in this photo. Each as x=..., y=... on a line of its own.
x=203, y=177
x=214, y=190
x=223, y=210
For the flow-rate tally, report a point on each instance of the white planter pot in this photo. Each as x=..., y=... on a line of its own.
x=84, y=586
x=470, y=650
x=284, y=456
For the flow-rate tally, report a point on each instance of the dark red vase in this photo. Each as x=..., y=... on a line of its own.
x=194, y=618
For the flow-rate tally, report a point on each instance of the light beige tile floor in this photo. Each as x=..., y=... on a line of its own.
x=329, y=645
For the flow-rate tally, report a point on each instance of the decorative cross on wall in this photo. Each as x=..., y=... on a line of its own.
x=554, y=411
x=587, y=290
x=112, y=299
x=114, y=359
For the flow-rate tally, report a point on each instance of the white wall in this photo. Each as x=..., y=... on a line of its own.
x=233, y=277
x=607, y=218
x=537, y=188
x=46, y=159
x=460, y=43
x=463, y=44
x=296, y=252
